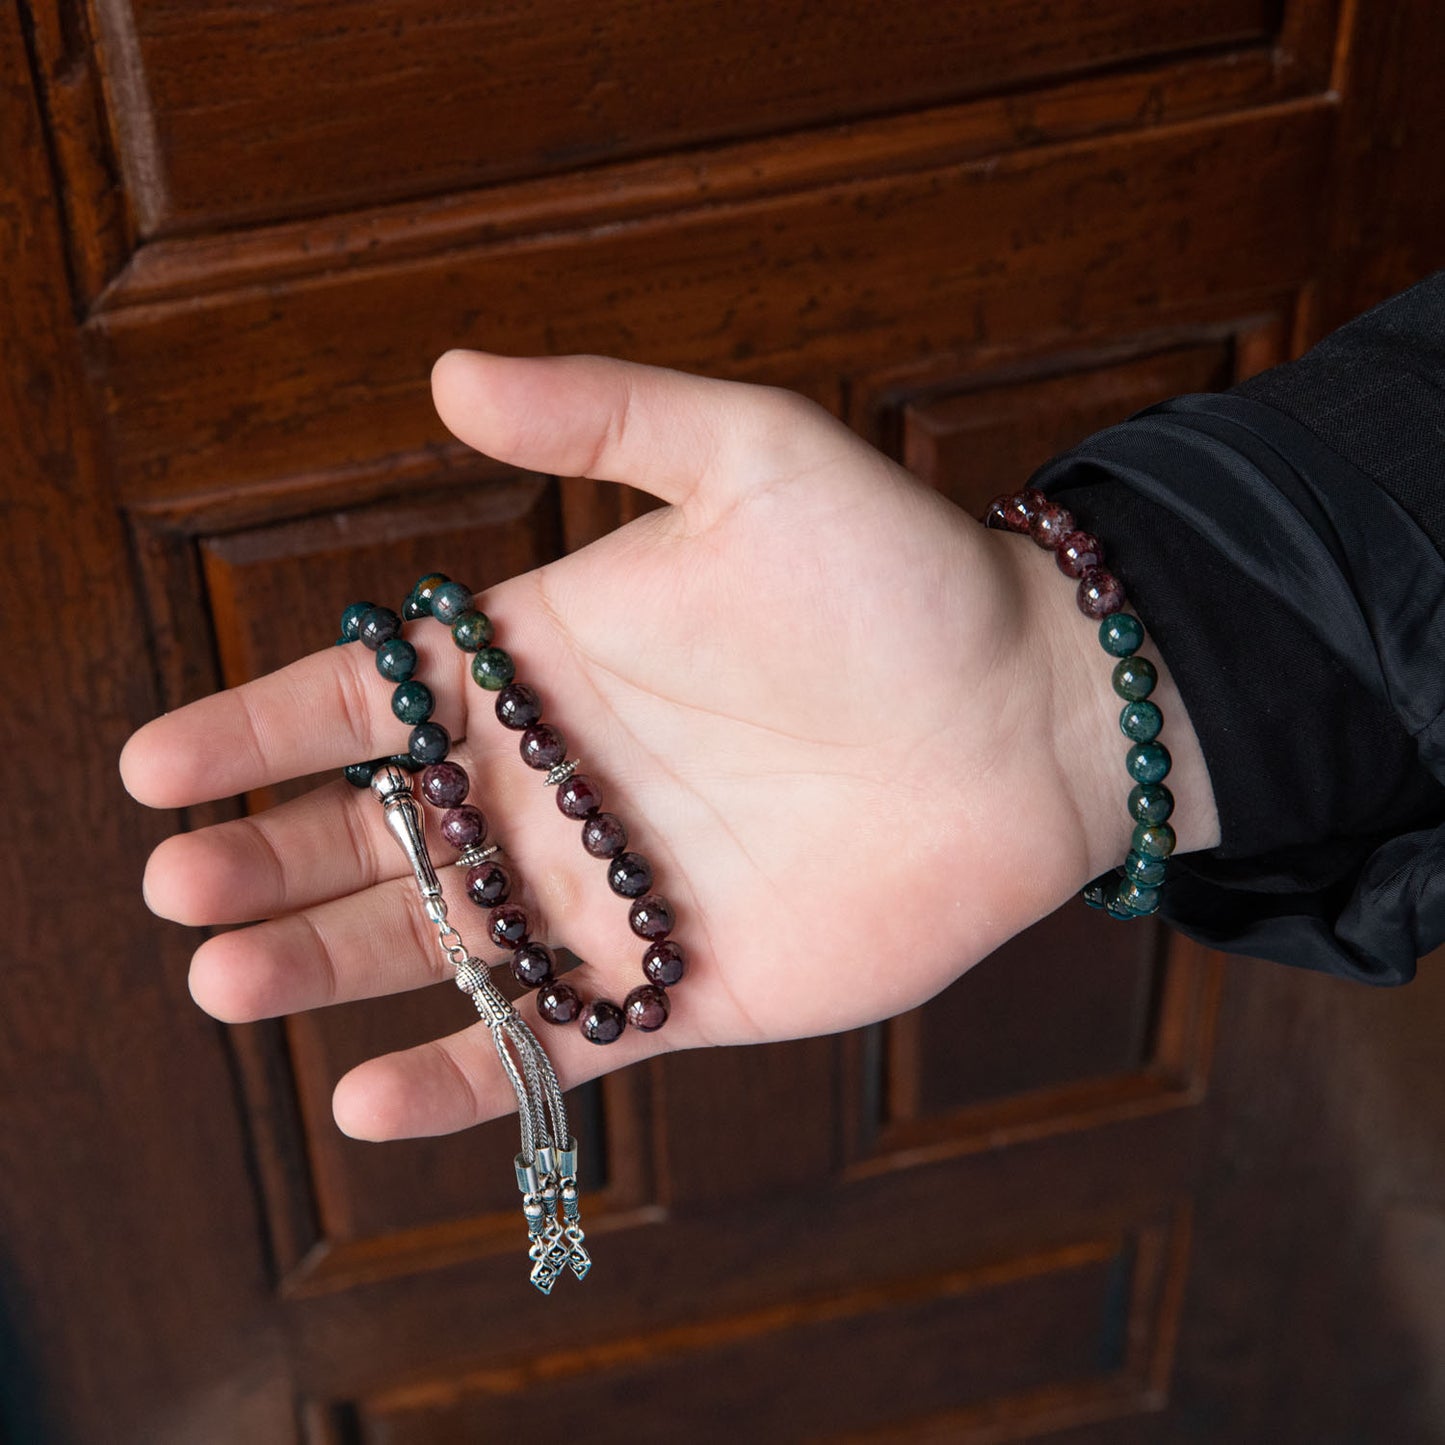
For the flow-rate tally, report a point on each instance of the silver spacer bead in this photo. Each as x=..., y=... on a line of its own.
x=476, y=854
x=561, y=772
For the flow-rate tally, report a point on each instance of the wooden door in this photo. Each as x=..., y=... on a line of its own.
x=1107, y=1188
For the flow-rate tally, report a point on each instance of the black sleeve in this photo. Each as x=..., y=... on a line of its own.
x=1284, y=544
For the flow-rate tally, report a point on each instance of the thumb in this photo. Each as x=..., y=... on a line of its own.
x=694, y=441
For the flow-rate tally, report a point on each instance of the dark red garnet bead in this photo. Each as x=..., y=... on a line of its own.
x=533, y=965
x=488, y=884
x=1051, y=525
x=518, y=706
x=1077, y=552
x=663, y=963
x=651, y=917
x=542, y=746
x=997, y=514
x=603, y=835
x=464, y=827
x=1100, y=593
x=445, y=785
x=1018, y=515
x=602, y=1021
x=630, y=875
x=579, y=797
x=647, y=1007
x=508, y=925
x=558, y=1003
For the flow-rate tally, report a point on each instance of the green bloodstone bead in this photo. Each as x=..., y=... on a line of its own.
x=1148, y=762
x=359, y=775
x=424, y=588
x=351, y=620
x=1151, y=803
x=1141, y=721
x=1139, y=899
x=1153, y=840
x=1121, y=634
x=1149, y=872
x=404, y=760
x=412, y=702
x=396, y=660
x=1096, y=894
x=1115, y=906
x=413, y=608
x=1134, y=678
x=449, y=601
x=493, y=669
x=472, y=631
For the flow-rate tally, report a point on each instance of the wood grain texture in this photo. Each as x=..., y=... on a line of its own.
x=132, y=1301
x=97, y=225
x=931, y=1345
x=1043, y=245
x=239, y=117
x=1309, y=1316
x=975, y=443
x=1050, y=1021
x=1135, y=98
x=802, y=1242
x=1388, y=183
x=1046, y=1208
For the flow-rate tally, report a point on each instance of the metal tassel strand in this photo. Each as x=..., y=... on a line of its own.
x=546, y=1167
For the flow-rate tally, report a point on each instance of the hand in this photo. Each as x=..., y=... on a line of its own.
x=863, y=741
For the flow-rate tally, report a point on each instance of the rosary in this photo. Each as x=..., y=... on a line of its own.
x=546, y=1165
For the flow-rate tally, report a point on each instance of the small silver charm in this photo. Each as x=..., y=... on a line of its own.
x=561, y=772
x=548, y=1269
x=578, y=1260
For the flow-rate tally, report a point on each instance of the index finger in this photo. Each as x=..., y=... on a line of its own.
x=325, y=711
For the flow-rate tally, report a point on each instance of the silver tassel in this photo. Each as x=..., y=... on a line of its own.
x=546, y=1167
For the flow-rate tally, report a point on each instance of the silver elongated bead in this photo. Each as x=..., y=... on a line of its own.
x=403, y=821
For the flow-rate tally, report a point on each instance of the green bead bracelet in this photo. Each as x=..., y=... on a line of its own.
x=1133, y=890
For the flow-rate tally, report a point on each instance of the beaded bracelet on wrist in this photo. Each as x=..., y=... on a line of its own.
x=546, y=1165
x=1132, y=891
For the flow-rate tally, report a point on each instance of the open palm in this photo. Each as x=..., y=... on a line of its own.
x=824, y=701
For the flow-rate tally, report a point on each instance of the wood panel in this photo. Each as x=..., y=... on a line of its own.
x=1011, y=225
x=987, y=439
x=132, y=1273
x=1067, y=241
x=1113, y=102
x=908, y=1222
x=936, y=1344
x=231, y=113
x=1068, y=1000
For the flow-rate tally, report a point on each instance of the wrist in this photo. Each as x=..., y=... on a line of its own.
x=1083, y=720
